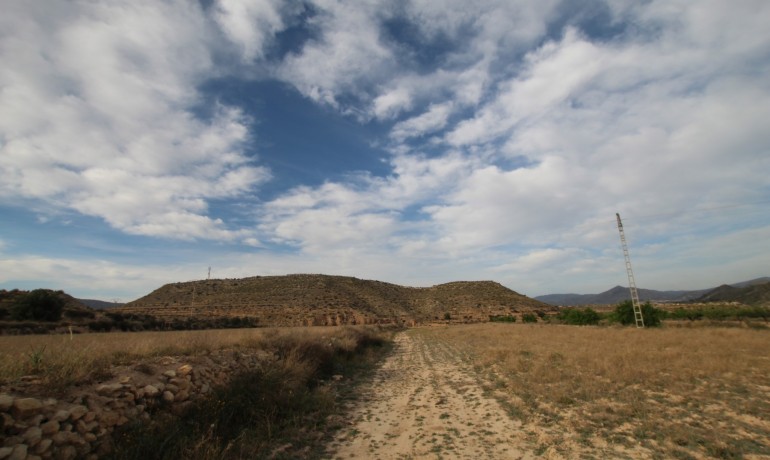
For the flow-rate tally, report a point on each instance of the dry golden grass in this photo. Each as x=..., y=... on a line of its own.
x=61, y=360
x=668, y=393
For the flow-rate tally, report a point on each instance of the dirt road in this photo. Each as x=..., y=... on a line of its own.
x=425, y=402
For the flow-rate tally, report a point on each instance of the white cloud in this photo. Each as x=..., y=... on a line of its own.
x=347, y=56
x=433, y=119
x=98, y=117
x=390, y=104
x=250, y=24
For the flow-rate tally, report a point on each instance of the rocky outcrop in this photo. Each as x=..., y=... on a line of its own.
x=81, y=424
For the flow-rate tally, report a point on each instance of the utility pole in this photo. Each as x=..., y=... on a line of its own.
x=631, y=283
x=209, y=275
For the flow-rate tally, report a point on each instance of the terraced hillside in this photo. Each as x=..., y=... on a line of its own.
x=306, y=300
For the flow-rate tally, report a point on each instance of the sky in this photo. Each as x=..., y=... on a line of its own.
x=415, y=142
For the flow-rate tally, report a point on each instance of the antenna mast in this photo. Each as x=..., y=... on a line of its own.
x=631, y=283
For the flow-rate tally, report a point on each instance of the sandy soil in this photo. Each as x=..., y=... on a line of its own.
x=424, y=402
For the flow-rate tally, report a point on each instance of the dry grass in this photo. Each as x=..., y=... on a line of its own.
x=59, y=361
x=681, y=393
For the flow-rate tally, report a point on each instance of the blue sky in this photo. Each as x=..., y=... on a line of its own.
x=415, y=142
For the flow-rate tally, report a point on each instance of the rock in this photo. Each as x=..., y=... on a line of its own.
x=90, y=437
x=60, y=438
x=151, y=391
x=77, y=412
x=183, y=395
x=5, y=452
x=61, y=415
x=19, y=452
x=5, y=420
x=125, y=380
x=337, y=377
x=205, y=388
x=170, y=374
x=182, y=384
x=90, y=416
x=11, y=441
x=6, y=401
x=33, y=435
x=168, y=396
x=50, y=427
x=67, y=453
x=43, y=446
x=109, y=389
x=26, y=407
x=184, y=369
x=109, y=418
x=172, y=388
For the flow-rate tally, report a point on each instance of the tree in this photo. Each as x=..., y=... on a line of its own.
x=624, y=314
x=38, y=305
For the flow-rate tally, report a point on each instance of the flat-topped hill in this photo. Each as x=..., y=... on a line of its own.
x=295, y=300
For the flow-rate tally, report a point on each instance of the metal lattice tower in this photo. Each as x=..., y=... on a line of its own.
x=631, y=283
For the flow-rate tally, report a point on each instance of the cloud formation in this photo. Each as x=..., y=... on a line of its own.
x=98, y=117
x=512, y=131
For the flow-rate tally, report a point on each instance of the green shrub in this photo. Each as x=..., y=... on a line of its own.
x=624, y=314
x=579, y=317
x=502, y=318
x=38, y=305
x=528, y=318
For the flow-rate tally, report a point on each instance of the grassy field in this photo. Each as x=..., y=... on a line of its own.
x=654, y=393
x=63, y=360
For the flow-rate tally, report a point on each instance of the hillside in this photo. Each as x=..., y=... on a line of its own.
x=297, y=300
x=751, y=294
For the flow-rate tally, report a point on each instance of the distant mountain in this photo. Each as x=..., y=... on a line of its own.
x=619, y=294
x=756, y=293
x=99, y=304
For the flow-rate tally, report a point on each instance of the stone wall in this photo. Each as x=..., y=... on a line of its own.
x=80, y=423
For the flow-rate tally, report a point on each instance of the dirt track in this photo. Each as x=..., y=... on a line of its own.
x=425, y=402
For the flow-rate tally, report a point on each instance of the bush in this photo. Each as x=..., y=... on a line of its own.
x=624, y=314
x=528, y=318
x=579, y=317
x=38, y=305
x=502, y=318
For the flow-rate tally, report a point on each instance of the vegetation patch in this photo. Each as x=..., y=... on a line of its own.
x=288, y=408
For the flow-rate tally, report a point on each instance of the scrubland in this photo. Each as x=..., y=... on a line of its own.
x=625, y=392
x=285, y=407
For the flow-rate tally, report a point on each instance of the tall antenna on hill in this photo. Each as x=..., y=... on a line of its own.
x=631, y=283
x=209, y=275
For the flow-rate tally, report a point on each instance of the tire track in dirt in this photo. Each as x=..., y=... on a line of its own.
x=425, y=402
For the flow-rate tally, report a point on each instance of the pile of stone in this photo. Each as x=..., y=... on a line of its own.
x=81, y=425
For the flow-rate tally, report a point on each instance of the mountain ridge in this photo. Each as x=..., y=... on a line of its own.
x=618, y=294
